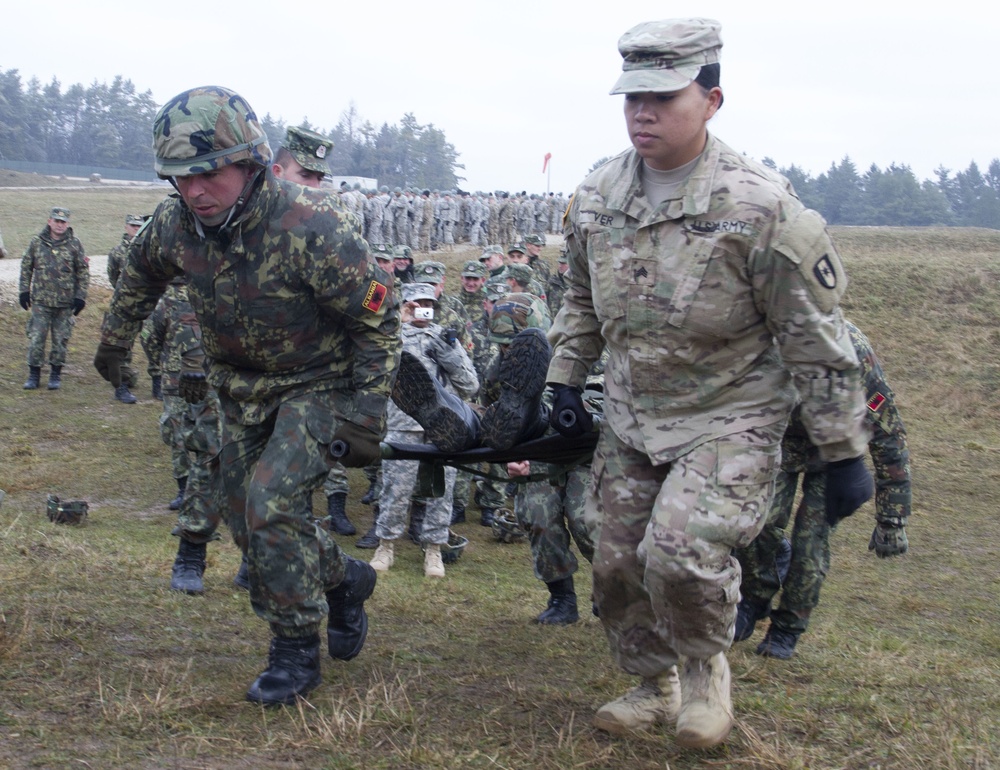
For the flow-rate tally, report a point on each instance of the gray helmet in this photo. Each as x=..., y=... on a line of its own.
x=452, y=550
x=204, y=129
x=506, y=527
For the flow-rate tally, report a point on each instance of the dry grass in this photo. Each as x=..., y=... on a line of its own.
x=102, y=666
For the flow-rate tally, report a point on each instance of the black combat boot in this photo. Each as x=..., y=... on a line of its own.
x=369, y=539
x=518, y=415
x=189, y=566
x=336, y=505
x=123, y=394
x=449, y=423
x=175, y=504
x=561, y=610
x=369, y=496
x=292, y=671
x=487, y=516
x=242, y=578
x=457, y=512
x=347, y=625
x=55, y=377
x=157, y=391
x=778, y=643
x=34, y=375
x=418, y=509
x=748, y=612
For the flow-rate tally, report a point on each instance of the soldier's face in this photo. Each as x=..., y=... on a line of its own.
x=668, y=129
x=517, y=258
x=472, y=284
x=211, y=195
x=294, y=172
x=58, y=227
x=493, y=261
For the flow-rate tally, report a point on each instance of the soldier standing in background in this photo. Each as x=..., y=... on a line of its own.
x=696, y=401
x=302, y=159
x=301, y=333
x=55, y=277
x=810, y=536
x=556, y=286
x=116, y=261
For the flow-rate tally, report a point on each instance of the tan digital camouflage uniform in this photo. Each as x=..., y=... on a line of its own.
x=714, y=308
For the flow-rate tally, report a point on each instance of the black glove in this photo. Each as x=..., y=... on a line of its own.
x=25, y=299
x=889, y=539
x=108, y=361
x=193, y=386
x=360, y=445
x=78, y=306
x=449, y=336
x=569, y=416
x=848, y=486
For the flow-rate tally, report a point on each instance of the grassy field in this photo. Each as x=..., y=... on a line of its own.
x=102, y=666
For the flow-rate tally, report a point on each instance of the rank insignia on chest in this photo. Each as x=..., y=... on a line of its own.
x=375, y=297
x=875, y=402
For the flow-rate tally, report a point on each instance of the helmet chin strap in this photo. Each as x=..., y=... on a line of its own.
x=235, y=209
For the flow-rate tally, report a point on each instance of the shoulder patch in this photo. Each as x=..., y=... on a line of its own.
x=805, y=242
x=875, y=403
x=375, y=297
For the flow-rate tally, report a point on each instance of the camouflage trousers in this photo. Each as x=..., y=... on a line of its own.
x=44, y=321
x=173, y=421
x=202, y=510
x=336, y=481
x=665, y=581
x=810, y=563
x=553, y=514
x=269, y=470
x=491, y=494
x=399, y=482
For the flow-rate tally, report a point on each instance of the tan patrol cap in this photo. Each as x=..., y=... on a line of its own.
x=664, y=56
x=308, y=148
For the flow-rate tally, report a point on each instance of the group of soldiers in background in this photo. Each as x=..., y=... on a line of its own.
x=427, y=220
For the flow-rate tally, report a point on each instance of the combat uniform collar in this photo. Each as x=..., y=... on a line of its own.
x=47, y=236
x=695, y=198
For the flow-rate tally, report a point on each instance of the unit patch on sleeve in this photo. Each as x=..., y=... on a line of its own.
x=875, y=403
x=375, y=297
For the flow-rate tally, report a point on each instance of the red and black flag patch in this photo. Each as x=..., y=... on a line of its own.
x=375, y=297
x=875, y=403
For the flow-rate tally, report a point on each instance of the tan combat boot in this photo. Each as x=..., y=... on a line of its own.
x=654, y=701
x=383, y=556
x=433, y=565
x=707, y=712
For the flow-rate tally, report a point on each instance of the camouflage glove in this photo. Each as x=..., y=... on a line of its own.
x=193, y=386
x=24, y=298
x=889, y=538
x=569, y=416
x=108, y=361
x=848, y=486
x=360, y=445
x=78, y=306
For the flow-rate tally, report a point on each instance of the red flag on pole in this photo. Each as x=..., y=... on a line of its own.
x=545, y=163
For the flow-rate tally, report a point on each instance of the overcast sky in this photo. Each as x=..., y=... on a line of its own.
x=508, y=81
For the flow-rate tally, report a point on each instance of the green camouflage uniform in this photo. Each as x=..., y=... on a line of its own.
x=810, y=534
x=116, y=261
x=55, y=272
x=172, y=336
x=714, y=306
x=301, y=330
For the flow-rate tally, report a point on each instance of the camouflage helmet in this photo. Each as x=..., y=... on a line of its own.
x=204, y=129
x=514, y=313
x=66, y=511
x=452, y=550
x=506, y=528
x=414, y=291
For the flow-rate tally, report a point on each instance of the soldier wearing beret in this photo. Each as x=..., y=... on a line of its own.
x=717, y=295
x=55, y=276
